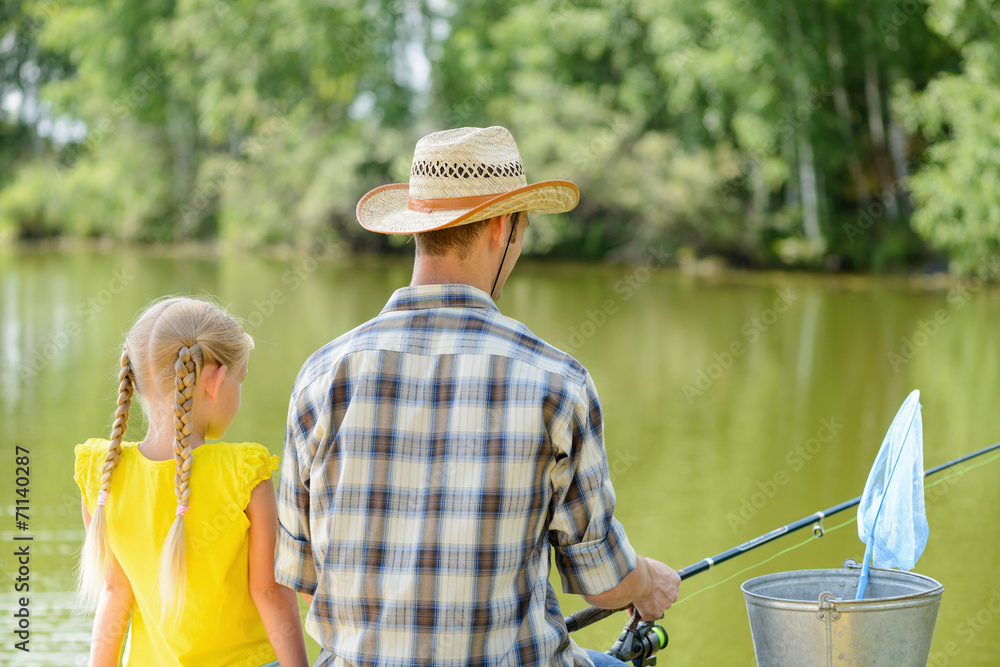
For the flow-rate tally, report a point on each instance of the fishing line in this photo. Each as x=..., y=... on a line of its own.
x=957, y=473
x=962, y=471
x=766, y=560
x=585, y=617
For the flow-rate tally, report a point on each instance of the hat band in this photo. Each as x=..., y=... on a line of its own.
x=448, y=203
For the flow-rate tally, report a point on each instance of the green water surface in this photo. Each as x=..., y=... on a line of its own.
x=733, y=405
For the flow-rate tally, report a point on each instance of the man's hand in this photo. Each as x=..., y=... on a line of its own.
x=651, y=588
x=661, y=593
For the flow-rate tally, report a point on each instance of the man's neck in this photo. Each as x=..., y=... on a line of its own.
x=449, y=270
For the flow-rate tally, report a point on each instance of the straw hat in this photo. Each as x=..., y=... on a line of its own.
x=460, y=176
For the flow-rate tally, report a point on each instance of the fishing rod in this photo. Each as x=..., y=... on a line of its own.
x=591, y=615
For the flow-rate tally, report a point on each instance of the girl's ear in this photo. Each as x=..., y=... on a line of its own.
x=212, y=377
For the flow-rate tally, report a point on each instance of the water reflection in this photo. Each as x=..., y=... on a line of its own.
x=683, y=463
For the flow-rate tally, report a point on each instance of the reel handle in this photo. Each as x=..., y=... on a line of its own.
x=639, y=642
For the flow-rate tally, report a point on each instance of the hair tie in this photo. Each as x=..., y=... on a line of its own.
x=102, y=498
x=182, y=510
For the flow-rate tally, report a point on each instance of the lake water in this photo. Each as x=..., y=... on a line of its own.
x=733, y=405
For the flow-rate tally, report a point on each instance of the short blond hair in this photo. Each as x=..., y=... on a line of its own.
x=458, y=239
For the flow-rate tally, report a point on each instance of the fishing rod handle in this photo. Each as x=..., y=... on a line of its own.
x=585, y=617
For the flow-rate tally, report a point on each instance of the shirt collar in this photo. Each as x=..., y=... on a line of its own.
x=419, y=297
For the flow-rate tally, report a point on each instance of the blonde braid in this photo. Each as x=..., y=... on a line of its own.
x=96, y=558
x=173, y=564
x=189, y=362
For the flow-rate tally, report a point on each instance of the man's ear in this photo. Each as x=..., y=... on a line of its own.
x=212, y=377
x=496, y=230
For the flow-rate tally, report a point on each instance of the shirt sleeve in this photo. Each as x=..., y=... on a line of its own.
x=294, y=566
x=593, y=554
x=258, y=464
x=81, y=471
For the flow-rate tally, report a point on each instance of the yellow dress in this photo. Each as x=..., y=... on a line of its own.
x=220, y=625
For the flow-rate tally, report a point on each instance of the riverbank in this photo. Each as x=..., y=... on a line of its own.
x=710, y=270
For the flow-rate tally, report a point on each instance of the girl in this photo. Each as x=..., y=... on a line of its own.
x=181, y=534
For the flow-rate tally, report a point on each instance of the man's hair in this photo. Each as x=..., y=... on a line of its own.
x=457, y=239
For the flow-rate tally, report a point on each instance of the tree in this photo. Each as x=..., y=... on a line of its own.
x=958, y=185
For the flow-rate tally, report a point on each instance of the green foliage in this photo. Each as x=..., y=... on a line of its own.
x=729, y=127
x=771, y=133
x=958, y=187
x=298, y=185
x=120, y=190
x=24, y=212
x=213, y=119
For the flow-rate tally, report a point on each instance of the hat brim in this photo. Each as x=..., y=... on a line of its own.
x=386, y=209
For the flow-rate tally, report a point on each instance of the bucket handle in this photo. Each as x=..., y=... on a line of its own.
x=828, y=607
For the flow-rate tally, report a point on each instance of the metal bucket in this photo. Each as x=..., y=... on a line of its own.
x=810, y=618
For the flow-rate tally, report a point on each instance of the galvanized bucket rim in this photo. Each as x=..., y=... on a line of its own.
x=808, y=626
x=931, y=596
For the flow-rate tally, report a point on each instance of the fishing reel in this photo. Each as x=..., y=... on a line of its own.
x=639, y=642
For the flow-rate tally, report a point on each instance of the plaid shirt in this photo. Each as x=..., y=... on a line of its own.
x=433, y=456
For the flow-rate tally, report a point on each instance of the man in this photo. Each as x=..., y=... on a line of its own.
x=435, y=454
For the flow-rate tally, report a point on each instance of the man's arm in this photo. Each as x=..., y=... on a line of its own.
x=651, y=588
x=592, y=551
x=276, y=604
x=294, y=566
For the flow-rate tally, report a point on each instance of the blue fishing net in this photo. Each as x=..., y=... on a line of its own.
x=892, y=521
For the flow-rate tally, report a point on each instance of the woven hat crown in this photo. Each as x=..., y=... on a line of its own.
x=460, y=176
x=465, y=162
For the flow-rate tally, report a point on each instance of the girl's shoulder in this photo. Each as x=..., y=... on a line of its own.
x=245, y=459
x=84, y=451
x=88, y=464
x=244, y=456
x=240, y=451
x=249, y=463
x=90, y=454
x=82, y=463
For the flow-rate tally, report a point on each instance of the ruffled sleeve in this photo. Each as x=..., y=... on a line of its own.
x=82, y=471
x=258, y=464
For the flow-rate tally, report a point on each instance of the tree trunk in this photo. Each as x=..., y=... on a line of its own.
x=899, y=147
x=758, y=188
x=810, y=196
x=873, y=100
x=803, y=143
x=792, y=187
x=835, y=59
x=182, y=132
x=30, y=96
